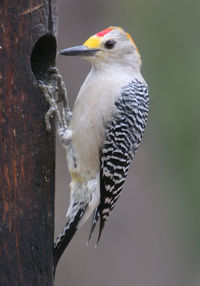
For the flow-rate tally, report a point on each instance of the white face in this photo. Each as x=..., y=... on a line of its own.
x=114, y=46
x=108, y=48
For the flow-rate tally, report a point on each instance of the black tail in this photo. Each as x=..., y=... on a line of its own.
x=65, y=237
x=94, y=222
x=101, y=226
x=97, y=214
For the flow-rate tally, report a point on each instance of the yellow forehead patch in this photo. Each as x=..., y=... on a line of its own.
x=93, y=42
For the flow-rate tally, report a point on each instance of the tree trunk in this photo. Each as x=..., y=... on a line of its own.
x=27, y=154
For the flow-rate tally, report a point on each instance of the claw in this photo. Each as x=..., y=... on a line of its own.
x=53, y=70
x=55, y=88
x=58, y=100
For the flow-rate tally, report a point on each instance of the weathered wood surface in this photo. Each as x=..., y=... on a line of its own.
x=27, y=155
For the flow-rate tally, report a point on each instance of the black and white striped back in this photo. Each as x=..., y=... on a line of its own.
x=123, y=135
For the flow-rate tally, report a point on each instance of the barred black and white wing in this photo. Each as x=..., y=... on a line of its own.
x=123, y=135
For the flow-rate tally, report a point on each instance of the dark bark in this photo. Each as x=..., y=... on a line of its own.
x=27, y=155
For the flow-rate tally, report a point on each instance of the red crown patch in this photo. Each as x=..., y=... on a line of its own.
x=104, y=32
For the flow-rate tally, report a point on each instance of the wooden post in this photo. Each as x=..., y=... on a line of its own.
x=27, y=154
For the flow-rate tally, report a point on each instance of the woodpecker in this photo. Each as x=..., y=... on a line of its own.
x=106, y=126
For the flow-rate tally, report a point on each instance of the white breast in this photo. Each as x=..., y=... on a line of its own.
x=93, y=107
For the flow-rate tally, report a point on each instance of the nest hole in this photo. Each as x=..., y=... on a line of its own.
x=43, y=56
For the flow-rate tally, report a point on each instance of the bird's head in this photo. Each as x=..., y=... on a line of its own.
x=110, y=46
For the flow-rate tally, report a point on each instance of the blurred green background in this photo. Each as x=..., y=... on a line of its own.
x=153, y=235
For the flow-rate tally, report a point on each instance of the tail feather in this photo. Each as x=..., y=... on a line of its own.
x=101, y=226
x=94, y=222
x=65, y=237
x=96, y=216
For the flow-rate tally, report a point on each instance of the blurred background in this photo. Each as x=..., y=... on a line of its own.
x=153, y=235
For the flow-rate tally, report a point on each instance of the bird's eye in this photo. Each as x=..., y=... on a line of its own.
x=109, y=44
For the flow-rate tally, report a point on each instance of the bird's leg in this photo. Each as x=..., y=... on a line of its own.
x=62, y=95
x=56, y=88
x=48, y=92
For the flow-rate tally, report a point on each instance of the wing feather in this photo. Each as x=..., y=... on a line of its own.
x=123, y=135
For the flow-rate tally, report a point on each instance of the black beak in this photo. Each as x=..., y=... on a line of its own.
x=78, y=51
